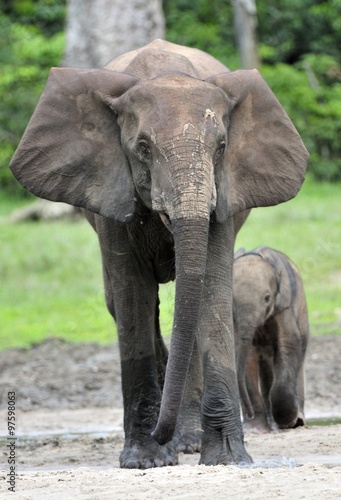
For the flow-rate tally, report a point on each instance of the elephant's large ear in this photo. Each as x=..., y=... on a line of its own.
x=71, y=148
x=265, y=159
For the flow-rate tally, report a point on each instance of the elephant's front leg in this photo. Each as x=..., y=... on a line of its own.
x=132, y=298
x=140, y=380
x=223, y=440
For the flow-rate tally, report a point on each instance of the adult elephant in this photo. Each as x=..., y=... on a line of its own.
x=166, y=148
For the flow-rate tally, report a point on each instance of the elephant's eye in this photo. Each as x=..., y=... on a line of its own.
x=220, y=151
x=267, y=298
x=144, y=149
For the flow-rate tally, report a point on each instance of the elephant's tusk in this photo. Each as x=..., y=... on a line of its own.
x=166, y=221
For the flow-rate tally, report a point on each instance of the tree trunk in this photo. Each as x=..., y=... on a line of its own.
x=99, y=30
x=245, y=21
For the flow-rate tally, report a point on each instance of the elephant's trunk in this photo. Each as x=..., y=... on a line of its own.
x=191, y=242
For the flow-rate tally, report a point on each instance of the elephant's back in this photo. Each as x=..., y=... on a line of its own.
x=161, y=57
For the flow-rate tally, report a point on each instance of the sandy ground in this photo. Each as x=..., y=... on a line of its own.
x=69, y=434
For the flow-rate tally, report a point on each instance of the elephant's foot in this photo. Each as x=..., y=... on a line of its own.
x=219, y=449
x=188, y=434
x=188, y=442
x=257, y=425
x=298, y=421
x=286, y=410
x=148, y=455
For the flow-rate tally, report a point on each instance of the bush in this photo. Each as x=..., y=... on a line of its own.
x=205, y=25
x=27, y=51
x=295, y=28
x=314, y=105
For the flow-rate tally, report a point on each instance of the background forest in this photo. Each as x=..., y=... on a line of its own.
x=299, y=46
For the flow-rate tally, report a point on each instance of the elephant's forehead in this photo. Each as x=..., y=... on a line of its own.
x=165, y=108
x=177, y=94
x=251, y=269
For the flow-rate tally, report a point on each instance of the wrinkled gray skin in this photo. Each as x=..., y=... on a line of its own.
x=167, y=151
x=271, y=331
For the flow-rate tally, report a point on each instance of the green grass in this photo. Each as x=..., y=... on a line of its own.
x=51, y=278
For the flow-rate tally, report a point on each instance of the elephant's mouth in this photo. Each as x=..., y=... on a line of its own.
x=166, y=220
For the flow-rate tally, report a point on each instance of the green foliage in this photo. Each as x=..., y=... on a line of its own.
x=31, y=41
x=306, y=36
x=294, y=28
x=204, y=25
x=314, y=107
x=46, y=15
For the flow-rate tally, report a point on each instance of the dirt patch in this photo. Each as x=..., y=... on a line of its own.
x=56, y=374
x=69, y=430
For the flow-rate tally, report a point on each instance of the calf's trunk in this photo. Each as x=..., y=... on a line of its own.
x=243, y=351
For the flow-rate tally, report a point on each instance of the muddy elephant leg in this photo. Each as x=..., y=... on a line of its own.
x=223, y=441
x=259, y=422
x=284, y=397
x=132, y=298
x=188, y=432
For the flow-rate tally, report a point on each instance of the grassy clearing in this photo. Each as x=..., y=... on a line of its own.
x=52, y=284
x=51, y=281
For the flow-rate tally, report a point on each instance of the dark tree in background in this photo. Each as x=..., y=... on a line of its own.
x=99, y=30
x=245, y=22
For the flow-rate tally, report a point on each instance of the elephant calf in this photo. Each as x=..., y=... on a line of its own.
x=271, y=332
